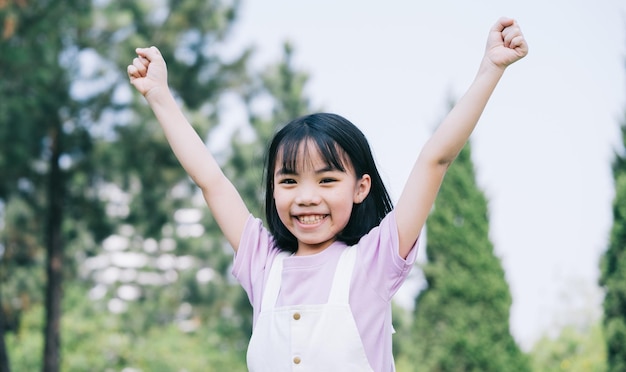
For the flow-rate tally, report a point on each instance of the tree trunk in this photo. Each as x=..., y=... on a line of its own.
x=4, y=356
x=54, y=247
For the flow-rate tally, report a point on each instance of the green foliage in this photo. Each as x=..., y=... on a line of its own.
x=47, y=144
x=403, y=341
x=27, y=341
x=67, y=119
x=96, y=340
x=613, y=277
x=21, y=262
x=462, y=318
x=573, y=350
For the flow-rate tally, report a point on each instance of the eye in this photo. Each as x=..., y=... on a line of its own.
x=328, y=180
x=287, y=181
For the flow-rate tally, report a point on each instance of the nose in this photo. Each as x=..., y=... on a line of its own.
x=308, y=195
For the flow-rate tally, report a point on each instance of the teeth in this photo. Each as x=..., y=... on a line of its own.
x=309, y=220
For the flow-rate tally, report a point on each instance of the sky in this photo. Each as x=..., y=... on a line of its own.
x=542, y=149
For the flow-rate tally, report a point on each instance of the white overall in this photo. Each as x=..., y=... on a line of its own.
x=320, y=338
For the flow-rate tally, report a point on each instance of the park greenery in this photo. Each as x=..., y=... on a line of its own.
x=110, y=262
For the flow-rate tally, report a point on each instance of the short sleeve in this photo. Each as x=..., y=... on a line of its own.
x=380, y=258
x=255, y=250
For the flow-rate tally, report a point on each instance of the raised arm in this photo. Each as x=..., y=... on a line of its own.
x=505, y=45
x=148, y=74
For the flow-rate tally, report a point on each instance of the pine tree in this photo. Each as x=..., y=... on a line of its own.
x=613, y=277
x=462, y=318
x=62, y=84
x=42, y=134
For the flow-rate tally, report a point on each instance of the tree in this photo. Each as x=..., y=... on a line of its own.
x=613, y=276
x=574, y=350
x=58, y=122
x=4, y=356
x=462, y=318
x=44, y=135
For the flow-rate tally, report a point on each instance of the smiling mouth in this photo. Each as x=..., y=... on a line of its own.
x=311, y=219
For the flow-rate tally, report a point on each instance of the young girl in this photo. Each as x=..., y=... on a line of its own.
x=322, y=276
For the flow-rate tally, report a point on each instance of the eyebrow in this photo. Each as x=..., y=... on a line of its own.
x=285, y=171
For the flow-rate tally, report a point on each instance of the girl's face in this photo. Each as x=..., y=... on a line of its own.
x=314, y=201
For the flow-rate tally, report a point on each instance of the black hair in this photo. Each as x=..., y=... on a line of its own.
x=338, y=141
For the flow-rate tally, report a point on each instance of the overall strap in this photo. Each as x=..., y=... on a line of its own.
x=272, y=286
x=340, y=289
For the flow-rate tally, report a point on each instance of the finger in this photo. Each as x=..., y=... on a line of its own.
x=139, y=65
x=148, y=53
x=144, y=61
x=516, y=41
x=510, y=33
x=132, y=72
x=519, y=44
x=506, y=38
x=502, y=23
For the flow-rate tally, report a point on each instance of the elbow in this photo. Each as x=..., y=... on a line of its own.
x=436, y=160
x=438, y=155
x=445, y=162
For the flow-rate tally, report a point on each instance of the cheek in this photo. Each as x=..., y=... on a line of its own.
x=281, y=203
x=343, y=202
x=283, y=211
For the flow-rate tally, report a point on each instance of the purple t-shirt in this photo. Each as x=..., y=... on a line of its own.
x=378, y=273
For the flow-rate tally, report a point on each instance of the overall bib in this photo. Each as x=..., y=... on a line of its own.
x=315, y=338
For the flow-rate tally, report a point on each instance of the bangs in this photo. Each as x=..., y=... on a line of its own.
x=295, y=150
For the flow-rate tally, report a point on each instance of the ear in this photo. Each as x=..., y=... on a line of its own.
x=362, y=188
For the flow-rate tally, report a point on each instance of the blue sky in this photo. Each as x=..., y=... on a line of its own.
x=543, y=147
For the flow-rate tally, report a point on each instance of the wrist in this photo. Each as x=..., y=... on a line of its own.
x=158, y=95
x=488, y=67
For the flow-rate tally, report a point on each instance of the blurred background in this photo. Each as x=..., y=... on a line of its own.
x=110, y=261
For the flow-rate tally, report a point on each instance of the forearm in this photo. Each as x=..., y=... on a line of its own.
x=454, y=131
x=438, y=153
x=505, y=45
x=186, y=144
x=148, y=74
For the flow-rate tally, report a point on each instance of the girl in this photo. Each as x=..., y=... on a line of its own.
x=322, y=277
